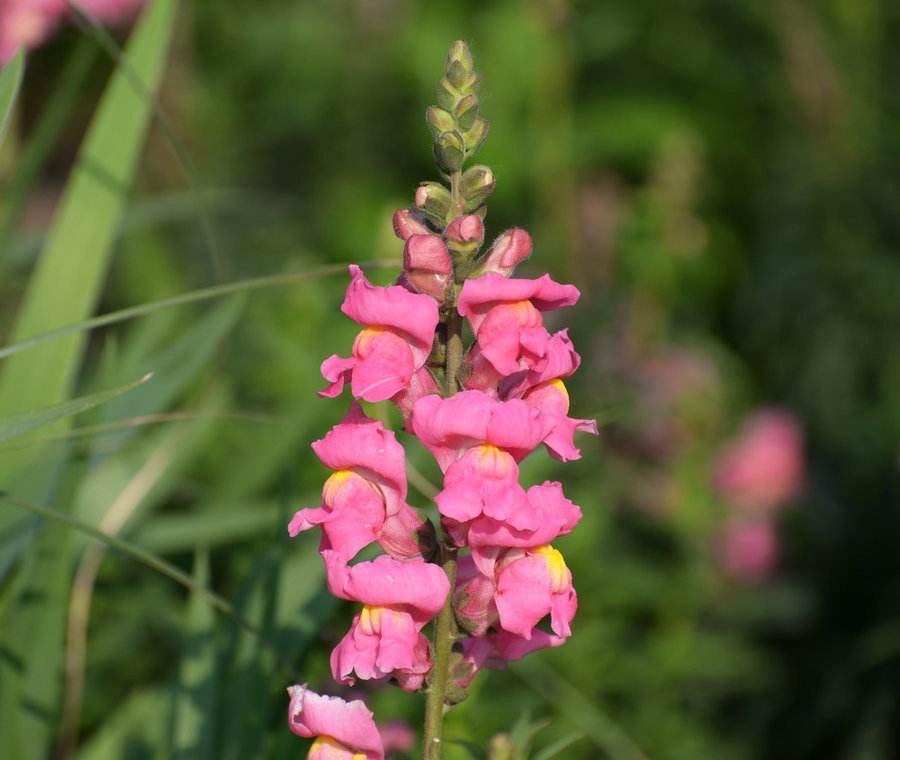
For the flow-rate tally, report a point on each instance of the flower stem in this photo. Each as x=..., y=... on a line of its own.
x=441, y=645
x=445, y=625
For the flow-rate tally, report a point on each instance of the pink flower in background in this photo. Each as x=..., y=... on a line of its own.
x=344, y=730
x=505, y=315
x=764, y=467
x=27, y=23
x=398, y=736
x=748, y=549
x=365, y=499
x=399, y=329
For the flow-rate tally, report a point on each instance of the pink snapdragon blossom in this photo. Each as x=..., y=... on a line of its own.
x=546, y=390
x=505, y=315
x=364, y=500
x=399, y=329
x=763, y=468
x=384, y=640
x=343, y=730
x=526, y=586
x=495, y=649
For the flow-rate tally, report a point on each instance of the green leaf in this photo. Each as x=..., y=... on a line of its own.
x=10, y=81
x=64, y=288
x=195, y=691
x=13, y=427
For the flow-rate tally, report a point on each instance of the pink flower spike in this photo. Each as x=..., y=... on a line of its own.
x=508, y=250
x=345, y=730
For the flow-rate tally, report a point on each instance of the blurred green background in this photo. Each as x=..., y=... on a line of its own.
x=720, y=179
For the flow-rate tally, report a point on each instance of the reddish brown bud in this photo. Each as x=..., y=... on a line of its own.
x=408, y=222
x=508, y=250
x=465, y=229
x=427, y=265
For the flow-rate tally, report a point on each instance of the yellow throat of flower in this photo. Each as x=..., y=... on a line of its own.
x=323, y=743
x=556, y=566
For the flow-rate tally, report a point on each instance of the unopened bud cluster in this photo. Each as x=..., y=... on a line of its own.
x=479, y=414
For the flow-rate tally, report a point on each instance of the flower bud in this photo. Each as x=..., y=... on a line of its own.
x=450, y=151
x=427, y=266
x=409, y=222
x=434, y=199
x=440, y=120
x=476, y=135
x=508, y=250
x=447, y=95
x=459, y=52
x=465, y=229
x=477, y=184
x=466, y=111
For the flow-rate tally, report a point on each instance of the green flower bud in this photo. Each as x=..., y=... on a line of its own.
x=447, y=95
x=466, y=112
x=434, y=199
x=477, y=184
x=459, y=51
x=450, y=151
x=439, y=120
x=476, y=135
x=457, y=74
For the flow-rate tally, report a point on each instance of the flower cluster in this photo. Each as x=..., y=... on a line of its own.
x=490, y=571
x=757, y=474
x=27, y=23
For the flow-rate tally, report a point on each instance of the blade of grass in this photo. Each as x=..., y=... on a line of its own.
x=64, y=288
x=54, y=118
x=194, y=296
x=195, y=691
x=13, y=427
x=553, y=750
x=140, y=554
x=10, y=81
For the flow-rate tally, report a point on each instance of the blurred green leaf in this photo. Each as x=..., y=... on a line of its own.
x=21, y=424
x=64, y=288
x=10, y=81
x=195, y=691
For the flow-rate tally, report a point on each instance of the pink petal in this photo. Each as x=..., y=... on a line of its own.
x=336, y=370
x=383, y=367
x=523, y=595
x=350, y=723
x=392, y=306
x=413, y=583
x=479, y=294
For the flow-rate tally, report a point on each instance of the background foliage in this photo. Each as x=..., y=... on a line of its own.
x=720, y=180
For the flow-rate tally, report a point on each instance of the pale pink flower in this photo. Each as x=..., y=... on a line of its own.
x=748, y=549
x=344, y=730
x=364, y=500
x=764, y=467
x=396, y=341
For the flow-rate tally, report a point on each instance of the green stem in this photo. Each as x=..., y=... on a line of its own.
x=445, y=625
x=441, y=646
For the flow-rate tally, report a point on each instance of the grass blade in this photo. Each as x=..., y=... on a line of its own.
x=195, y=296
x=10, y=81
x=21, y=424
